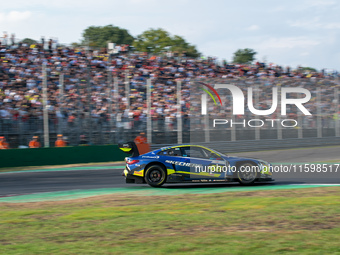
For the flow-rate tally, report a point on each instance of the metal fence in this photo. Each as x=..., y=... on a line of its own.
x=266, y=144
x=99, y=131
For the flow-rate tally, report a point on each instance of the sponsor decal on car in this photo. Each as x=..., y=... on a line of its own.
x=179, y=163
x=139, y=173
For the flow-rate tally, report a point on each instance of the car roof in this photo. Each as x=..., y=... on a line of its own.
x=185, y=145
x=182, y=145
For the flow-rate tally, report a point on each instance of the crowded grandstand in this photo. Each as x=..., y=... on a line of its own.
x=85, y=102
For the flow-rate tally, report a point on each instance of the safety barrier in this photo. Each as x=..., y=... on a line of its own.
x=106, y=153
x=60, y=156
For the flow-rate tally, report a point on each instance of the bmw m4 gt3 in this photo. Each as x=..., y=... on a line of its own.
x=191, y=163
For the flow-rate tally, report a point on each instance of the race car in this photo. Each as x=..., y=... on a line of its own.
x=191, y=163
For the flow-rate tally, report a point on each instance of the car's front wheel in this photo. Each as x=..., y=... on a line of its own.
x=247, y=174
x=155, y=175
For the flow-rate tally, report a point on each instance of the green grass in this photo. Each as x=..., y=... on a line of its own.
x=263, y=222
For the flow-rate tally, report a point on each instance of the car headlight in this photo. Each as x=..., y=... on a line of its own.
x=265, y=167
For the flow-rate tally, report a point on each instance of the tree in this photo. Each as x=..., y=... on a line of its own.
x=244, y=56
x=153, y=40
x=75, y=44
x=101, y=36
x=29, y=41
x=158, y=40
x=308, y=69
x=181, y=46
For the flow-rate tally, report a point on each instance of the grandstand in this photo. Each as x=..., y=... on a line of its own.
x=104, y=96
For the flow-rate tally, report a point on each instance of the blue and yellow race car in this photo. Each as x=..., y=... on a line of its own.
x=191, y=163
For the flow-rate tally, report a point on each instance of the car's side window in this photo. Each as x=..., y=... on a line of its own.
x=193, y=152
x=175, y=152
x=185, y=151
x=196, y=152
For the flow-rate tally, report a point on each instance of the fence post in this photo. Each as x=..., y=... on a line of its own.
x=78, y=122
x=45, y=111
x=127, y=89
x=233, y=129
x=148, y=103
x=179, y=113
x=109, y=86
x=279, y=128
x=300, y=126
x=61, y=101
x=337, y=131
x=89, y=98
x=206, y=128
x=319, y=119
x=116, y=97
x=257, y=129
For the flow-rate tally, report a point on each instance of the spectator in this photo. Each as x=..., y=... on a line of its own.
x=67, y=142
x=4, y=42
x=60, y=142
x=84, y=100
x=141, y=139
x=12, y=39
x=34, y=143
x=141, y=143
x=3, y=144
x=83, y=140
x=50, y=42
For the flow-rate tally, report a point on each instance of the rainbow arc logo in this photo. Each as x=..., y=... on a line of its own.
x=209, y=93
x=204, y=97
x=238, y=99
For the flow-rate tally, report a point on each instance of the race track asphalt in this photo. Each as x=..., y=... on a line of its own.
x=19, y=183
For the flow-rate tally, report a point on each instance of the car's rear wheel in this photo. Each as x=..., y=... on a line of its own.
x=155, y=175
x=247, y=174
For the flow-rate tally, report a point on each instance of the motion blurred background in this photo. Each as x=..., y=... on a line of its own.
x=108, y=85
x=102, y=93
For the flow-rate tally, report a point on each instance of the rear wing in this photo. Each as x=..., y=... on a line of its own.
x=129, y=148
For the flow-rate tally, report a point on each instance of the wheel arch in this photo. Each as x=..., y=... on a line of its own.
x=241, y=162
x=154, y=163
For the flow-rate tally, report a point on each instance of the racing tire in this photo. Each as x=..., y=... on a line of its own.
x=246, y=177
x=155, y=175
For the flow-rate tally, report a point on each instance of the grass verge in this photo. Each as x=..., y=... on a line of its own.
x=263, y=222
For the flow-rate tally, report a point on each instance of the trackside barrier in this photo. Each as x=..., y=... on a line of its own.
x=265, y=144
x=106, y=153
x=60, y=156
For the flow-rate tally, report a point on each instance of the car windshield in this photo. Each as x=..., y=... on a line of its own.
x=220, y=153
x=211, y=150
